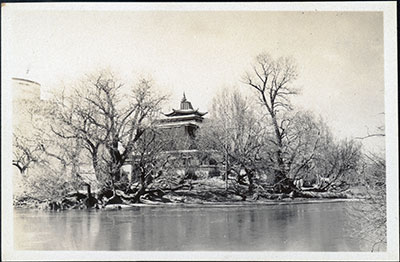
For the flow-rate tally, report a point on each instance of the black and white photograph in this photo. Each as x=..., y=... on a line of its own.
x=199, y=131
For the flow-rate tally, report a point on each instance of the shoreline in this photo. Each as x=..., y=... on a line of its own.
x=214, y=204
x=194, y=200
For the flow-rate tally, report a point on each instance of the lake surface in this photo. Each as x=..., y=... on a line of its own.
x=301, y=227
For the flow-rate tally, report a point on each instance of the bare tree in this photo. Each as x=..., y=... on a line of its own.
x=272, y=80
x=27, y=138
x=369, y=216
x=157, y=157
x=305, y=139
x=96, y=114
x=56, y=173
x=236, y=134
x=27, y=151
x=149, y=160
x=378, y=132
x=53, y=169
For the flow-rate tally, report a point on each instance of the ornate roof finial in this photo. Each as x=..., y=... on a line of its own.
x=184, y=97
x=185, y=104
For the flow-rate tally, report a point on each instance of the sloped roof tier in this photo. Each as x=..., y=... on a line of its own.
x=183, y=112
x=180, y=124
x=181, y=118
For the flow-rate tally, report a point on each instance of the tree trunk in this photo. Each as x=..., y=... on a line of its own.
x=113, y=186
x=280, y=173
x=250, y=177
x=89, y=194
x=142, y=188
x=139, y=193
x=97, y=171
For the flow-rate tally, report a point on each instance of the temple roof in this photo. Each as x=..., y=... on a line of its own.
x=186, y=108
x=178, y=112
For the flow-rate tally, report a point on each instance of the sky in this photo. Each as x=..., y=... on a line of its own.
x=339, y=55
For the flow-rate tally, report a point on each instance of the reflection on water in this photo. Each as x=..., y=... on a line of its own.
x=305, y=227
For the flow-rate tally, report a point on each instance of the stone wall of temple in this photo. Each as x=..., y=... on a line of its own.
x=24, y=91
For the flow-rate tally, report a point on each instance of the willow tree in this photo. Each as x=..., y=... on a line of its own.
x=272, y=79
x=108, y=118
x=236, y=133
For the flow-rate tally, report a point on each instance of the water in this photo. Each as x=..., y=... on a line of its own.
x=303, y=227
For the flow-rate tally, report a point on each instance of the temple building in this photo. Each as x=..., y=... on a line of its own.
x=183, y=123
x=24, y=91
x=180, y=127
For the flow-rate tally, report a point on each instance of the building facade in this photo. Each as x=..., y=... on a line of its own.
x=180, y=126
x=24, y=91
